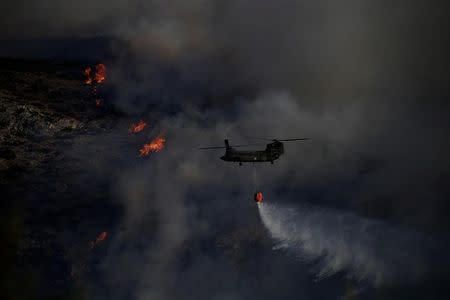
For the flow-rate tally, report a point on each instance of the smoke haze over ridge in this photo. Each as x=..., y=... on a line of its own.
x=366, y=81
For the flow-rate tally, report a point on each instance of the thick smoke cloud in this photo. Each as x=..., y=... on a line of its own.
x=365, y=80
x=181, y=196
x=334, y=52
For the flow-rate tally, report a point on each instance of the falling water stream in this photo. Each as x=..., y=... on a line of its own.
x=333, y=241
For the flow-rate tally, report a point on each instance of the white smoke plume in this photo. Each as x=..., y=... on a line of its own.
x=342, y=242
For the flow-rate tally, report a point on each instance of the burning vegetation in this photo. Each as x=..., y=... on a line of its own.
x=138, y=127
x=98, y=77
x=95, y=79
x=100, y=238
x=156, y=145
x=100, y=73
x=87, y=73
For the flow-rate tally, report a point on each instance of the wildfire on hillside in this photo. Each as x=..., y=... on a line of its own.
x=98, y=77
x=87, y=73
x=100, y=73
x=138, y=127
x=100, y=238
x=156, y=145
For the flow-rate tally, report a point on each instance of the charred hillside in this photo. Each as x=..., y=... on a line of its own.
x=57, y=218
x=44, y=106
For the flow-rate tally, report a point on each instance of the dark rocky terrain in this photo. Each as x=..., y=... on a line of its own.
x=50, y=215
x=47, y=221
x=40, y=110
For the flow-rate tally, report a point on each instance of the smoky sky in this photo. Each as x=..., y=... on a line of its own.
x=349, y=49
x=180, y=202
x=366, y=81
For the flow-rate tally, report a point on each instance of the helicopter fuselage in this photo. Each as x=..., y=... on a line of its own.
x=272, y=152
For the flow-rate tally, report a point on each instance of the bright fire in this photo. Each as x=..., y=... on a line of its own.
x=155, y=145
x=87, y=73
x=100, y=238
x=138, y=127
x=100, y=73
x=98, y=77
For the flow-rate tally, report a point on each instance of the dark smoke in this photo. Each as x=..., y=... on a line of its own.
x=366, y=81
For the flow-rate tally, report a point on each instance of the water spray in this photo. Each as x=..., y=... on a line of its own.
x=334, y=241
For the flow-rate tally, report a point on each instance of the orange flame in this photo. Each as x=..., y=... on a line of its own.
x=138, y=127
x=155, y=145
x=87, y=73
x=100, y=238
x=100, y=73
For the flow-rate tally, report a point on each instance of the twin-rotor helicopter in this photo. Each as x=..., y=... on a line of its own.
x=272, y=152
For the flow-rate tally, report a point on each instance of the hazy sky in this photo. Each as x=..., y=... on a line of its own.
x=367, y=81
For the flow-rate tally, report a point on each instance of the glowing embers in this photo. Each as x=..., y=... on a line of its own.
x=100, y=73
x=98, y=77
x=258, y=197
x=99, y=102
x=87, y=73
x=100, y=238
x=138, y=127
x=156, y=145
